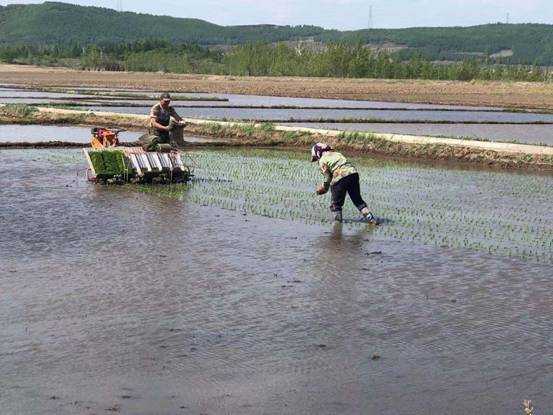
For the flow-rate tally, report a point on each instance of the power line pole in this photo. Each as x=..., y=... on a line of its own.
x=119, y=5
x=371, y=16
x=508, y=18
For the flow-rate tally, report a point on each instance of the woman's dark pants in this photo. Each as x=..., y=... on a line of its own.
x=349, y=185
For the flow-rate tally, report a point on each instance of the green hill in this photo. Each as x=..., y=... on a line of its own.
x=53, y=23
x=527, y=43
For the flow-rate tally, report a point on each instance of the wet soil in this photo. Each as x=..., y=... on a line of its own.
x=496, y=94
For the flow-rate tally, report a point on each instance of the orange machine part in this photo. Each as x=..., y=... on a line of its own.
x=104, y=139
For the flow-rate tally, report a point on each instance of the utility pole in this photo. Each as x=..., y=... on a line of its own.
x=371, y=16
x=119, y=5
x=508, y=18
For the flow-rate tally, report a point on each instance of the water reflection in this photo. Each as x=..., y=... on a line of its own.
x=289, y=115
x=44, y=133
x=530, y=134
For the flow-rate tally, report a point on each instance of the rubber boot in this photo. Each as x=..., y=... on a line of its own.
x=367, y=215
x=338, y=216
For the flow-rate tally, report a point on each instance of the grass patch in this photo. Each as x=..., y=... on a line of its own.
x=267, y=127
x=17, y=110
x=294, y=136
x=238, y=130
x=351, y=138
x=247, y=129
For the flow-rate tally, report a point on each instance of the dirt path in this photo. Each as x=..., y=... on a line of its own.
x=501, y=94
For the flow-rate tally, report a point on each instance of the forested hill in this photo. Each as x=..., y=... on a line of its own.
x=54, y=23
x=517, y=43
x=60, y=23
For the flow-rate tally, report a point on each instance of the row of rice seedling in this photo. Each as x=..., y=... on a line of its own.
x=499, y=213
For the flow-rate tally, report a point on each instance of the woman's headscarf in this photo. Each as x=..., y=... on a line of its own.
x=318, y=149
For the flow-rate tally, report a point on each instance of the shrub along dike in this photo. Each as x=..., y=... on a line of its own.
x=505, y=155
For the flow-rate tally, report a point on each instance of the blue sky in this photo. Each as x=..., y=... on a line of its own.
x=339, y=14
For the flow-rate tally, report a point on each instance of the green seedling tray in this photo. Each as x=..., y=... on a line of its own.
x=107, y=163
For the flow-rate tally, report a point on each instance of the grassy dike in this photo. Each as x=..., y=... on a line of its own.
x=504, y=155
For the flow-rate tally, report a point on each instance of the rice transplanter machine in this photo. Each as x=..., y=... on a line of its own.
x=111, y=163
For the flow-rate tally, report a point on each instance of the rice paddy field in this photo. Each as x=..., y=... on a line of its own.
x=47, y=133
x=237, y=293
x=490, y=94
x=501, y=214
x=476, y=122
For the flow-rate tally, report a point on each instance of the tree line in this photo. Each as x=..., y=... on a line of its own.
x=55, y=23
x=528, y=43
x=342, y=60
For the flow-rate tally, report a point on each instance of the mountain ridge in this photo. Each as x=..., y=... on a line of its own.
x=56, y=23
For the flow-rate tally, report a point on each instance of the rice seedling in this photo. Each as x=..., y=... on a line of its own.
x=108, y=163
x=498, y=213
x=501, y=214
x=267, y=127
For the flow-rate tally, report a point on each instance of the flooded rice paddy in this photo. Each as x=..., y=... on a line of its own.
x=344, y=115
x=236, y=294
x=234, y=99
x=284, y=115
x=517, y=133
x=14, y=133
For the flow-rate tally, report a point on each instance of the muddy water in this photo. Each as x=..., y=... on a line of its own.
x=530, y=134
x=118, y=300
x=48, y=133
x=536, y=134
x=317, y=114
x=44, y=133
x=5, y=94
x=236, y=99
x=33, y=101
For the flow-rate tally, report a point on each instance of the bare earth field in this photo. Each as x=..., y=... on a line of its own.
x=538, y=96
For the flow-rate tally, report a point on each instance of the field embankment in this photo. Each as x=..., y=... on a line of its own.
x=504, y=155
x=513, y=95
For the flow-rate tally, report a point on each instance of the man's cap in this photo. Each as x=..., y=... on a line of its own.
x=165, y=97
